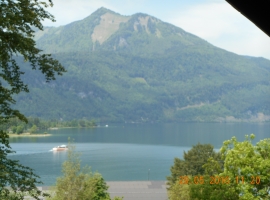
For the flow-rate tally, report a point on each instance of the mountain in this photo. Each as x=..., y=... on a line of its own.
x=140, y=69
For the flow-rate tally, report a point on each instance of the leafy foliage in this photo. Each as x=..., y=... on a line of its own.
x=179, y=192
x=212, y=191
x=193, y=162
x=244, y=176
x=16, y=36
x=33, y=125
x=16, y=39
x=249, y=163
x=33, y=129
x=20, y=179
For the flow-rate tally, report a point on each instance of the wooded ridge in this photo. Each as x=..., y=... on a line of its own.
x=140, y=69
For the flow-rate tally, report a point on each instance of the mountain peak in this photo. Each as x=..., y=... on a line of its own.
x=107, y=23
x=103, y=10
x=109, y=30
x=138, y=68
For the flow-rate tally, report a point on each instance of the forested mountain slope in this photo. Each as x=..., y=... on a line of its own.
x=138, y=68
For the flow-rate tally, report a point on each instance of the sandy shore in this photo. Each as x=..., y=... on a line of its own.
x=29, y=135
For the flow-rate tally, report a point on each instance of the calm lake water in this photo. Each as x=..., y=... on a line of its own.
x=128, y=151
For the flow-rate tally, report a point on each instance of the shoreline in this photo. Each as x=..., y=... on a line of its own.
x=64, y=127
x=28, y=135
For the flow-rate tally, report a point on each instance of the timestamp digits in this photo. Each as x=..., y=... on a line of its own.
x=218, y=180
x=183, y=180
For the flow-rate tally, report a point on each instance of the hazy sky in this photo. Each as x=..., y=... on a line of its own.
x=213, y=20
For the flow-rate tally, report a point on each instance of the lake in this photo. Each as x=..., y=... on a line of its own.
x=122, y=152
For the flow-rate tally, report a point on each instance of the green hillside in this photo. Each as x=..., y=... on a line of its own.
x=138, y=68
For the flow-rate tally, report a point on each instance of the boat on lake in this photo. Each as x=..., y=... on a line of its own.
x=60, y=148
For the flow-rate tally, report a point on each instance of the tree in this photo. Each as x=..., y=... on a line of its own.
x=92, y=123
x=21, y=179
x=19, y=129
x=82, y=123
x=196, y=162
x=214, y=185
x=248, y=167
x=179, y=191
x=13, y=129
x=193, y=162
x=33, y=129
x=178, y=169
x=17, y=20
x=77, y=184
x=212, y=189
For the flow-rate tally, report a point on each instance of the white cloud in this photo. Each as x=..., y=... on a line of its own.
x=223, y=26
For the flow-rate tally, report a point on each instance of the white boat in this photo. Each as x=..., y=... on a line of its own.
x=60, y=148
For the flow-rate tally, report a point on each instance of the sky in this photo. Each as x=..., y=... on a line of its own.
x=215, y=21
